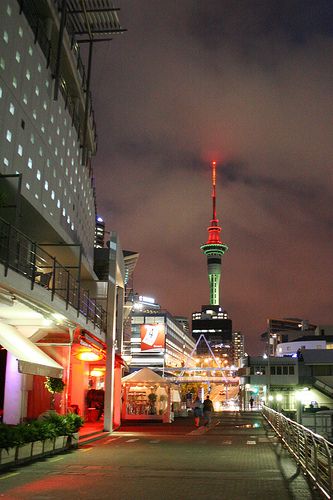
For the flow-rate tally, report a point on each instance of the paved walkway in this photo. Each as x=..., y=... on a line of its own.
x=238, y=457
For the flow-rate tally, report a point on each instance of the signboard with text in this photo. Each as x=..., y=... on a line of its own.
x=152, y=337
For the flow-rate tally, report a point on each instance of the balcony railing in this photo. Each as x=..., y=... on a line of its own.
x=19, y=253
x=312, y=451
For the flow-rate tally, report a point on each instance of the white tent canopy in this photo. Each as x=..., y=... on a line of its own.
x=145, y=375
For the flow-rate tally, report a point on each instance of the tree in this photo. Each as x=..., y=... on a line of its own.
x=54, y=385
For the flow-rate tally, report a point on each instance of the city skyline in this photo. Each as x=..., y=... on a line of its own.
x=250, y=86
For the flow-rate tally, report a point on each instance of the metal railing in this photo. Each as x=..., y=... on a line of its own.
x=24, y=256
x=312, y=451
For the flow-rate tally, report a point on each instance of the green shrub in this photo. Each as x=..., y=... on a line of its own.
x=49, y=426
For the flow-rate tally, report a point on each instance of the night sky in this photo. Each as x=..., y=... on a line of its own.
x=249, y=84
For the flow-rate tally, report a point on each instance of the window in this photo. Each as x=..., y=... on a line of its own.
x=0, y=92
x=39, y=68
x=46, y=186
x=25, y=99
x=30, y=163
x=279, y=370
x=52, y=195
x=20, y=150
x=14, y=82
x=2, y=63
x=34, y=114
x=20, y=32
x=5, y=36
x=38, y=175
x=37, y=90
x=30, y=51
x=32, y=139
x=291, y=370
x=272, y=370
x=9, y=10
x=45, y=105
x=11, y=108
x=58, y=203
x=27, y=185
x=6, y=162
x=285, y=370
x=18, y=57
x=27, y=75
x=9, y=136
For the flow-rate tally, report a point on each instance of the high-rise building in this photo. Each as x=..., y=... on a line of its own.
x=48, y=286
x=237, y=347
x=99, y=233
x=213, y=321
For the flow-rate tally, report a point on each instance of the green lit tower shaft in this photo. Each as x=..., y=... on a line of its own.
x=214, y=248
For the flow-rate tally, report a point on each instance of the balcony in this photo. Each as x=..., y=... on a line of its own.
x=24, y=256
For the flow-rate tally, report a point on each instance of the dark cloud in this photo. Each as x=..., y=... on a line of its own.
x=249, y=84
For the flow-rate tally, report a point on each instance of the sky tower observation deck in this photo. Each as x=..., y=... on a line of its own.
x=214, y=248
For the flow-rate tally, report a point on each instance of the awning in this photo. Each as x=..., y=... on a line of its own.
x=31, y=359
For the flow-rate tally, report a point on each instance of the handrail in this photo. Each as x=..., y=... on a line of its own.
x=26, y=257
x=312, y=451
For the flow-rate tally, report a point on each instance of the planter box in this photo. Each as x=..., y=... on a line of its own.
x=7, y=457
x=73, y=441
x=37, y=448
x=48, y=445
x=24, y=451
x=60, y=442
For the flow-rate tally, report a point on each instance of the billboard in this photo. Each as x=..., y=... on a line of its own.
x=152, y=337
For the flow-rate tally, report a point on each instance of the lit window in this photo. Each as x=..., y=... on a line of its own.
x=58, y=130
x=68, y=219
x=36, y=196
x=52, y=195
x=64, y=212
x=30, y=51
x=27, y=185
x=54, y=173
x=9, y=136
x=59, y=111
x=45, y=105
x=48, y=163
x=39, y=68
x=32, y=139
x=25, y=99
x=72, y=162
x=66, y=171
x=65, y=122
x=65, y=192
x=68, y=152
x=37, y=90
x=43, y=128
x=34, y=114
x=50, y=140
x=28, y=75
x=47, y=84
x=14, y=82
x=40, y=151
x=56, y=151
x=52, y=119
x=60, y=183
x=46, y=186
x=20, y=31
x=11, y=108
x=58, y=203
x=62, y=162
x=9, y=10
x=30, y=163
x=63, y=141
x=72, y=226
x=2, y=63
x=20, y=150
x=38, y=175
x=5, y=36
x=70, y=135
x=18, y=57
x=71, y=180
x=6, y=162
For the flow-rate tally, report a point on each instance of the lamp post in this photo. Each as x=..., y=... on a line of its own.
x=268, y=360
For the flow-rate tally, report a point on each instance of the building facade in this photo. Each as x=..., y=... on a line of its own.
x=51, y=301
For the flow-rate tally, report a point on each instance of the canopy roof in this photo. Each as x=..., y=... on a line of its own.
x=145, y=375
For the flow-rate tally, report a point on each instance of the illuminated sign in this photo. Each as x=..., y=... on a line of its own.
x=152, y=337
x=149, y=300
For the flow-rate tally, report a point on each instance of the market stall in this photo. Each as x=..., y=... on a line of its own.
x=146, y=396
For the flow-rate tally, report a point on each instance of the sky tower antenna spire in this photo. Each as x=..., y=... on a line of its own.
x=214, y=248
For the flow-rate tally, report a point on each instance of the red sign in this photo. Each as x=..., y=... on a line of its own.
x=152, y=337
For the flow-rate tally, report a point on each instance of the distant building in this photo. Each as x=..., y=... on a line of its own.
x=237, y=347
x=99, y=233
x=158, y=341
x=214, y=324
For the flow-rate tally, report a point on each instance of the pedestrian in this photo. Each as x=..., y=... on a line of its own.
x=197, y=410
x=251, y=403
x=208, y=408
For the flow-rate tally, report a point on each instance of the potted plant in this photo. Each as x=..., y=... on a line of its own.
x=54, y=385
x=8, y=444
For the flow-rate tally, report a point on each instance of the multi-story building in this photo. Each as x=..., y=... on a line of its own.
x=99, y=233
x=158, y=341
x=237, y=347
x=51, y=309
x=213, y=323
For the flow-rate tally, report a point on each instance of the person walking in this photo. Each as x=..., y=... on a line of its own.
x=197, y=410
x=251, y=403
x=208, y=408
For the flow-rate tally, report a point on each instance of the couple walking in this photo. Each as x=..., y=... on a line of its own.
x=204, y=410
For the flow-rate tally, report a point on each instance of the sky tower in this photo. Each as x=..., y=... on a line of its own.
x=214, y=248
